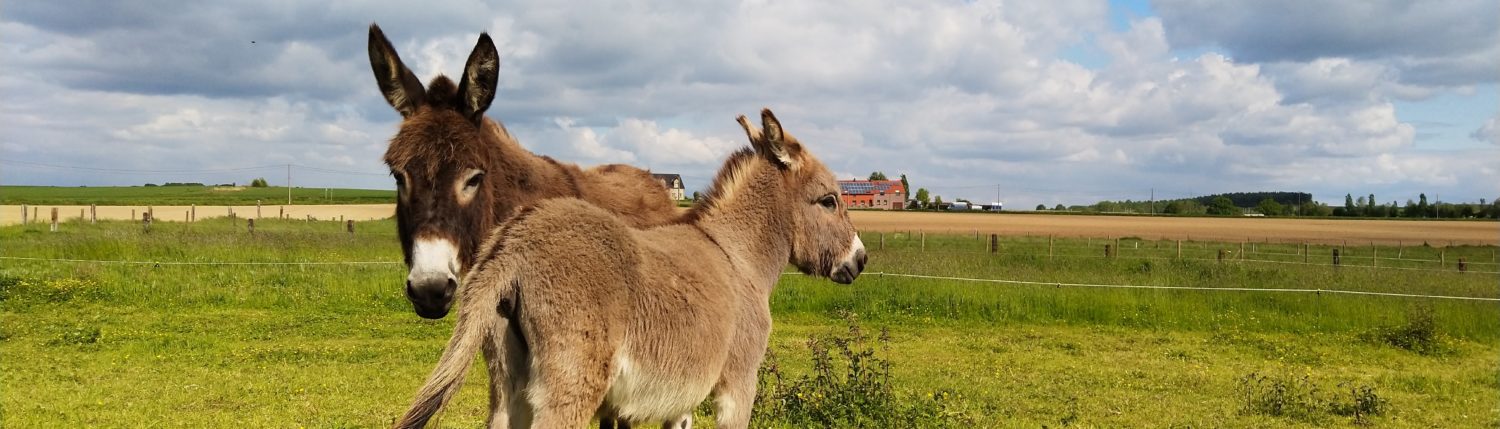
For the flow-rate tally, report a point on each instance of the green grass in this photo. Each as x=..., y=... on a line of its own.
x=137, y=345
x=185, y=195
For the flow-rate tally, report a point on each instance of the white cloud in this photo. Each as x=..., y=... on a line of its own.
x=960, y=96
x=1489, y=132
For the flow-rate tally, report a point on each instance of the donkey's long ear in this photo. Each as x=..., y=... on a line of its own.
x=750, y=130
x=399, y=86
x=773, y=142
x=481, y=74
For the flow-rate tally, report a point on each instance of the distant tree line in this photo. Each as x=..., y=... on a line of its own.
x=1294, y=204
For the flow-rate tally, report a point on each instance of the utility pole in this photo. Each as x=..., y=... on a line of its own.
x=1153, y=201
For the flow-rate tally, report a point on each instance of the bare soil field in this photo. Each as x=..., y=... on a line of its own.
x=1315, y=231
x=11, y=215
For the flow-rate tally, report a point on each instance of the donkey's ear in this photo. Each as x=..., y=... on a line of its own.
x=773, y=142
x=399, y=86
x=750, y=130
x=481, y=74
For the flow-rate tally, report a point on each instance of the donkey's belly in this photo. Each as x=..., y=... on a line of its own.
x=643, y=393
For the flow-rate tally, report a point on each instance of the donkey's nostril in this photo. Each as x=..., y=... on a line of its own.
x=452, y=286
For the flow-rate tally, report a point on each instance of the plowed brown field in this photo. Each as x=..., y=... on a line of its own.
x=1317, y=231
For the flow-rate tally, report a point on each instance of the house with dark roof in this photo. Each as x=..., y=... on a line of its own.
x=873, y=194
x=673, y=183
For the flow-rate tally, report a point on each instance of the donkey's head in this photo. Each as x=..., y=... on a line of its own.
x=448, y=177
x=823, y=239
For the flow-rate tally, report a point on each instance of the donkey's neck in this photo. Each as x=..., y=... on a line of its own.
x=751, y=224
x=533, y=176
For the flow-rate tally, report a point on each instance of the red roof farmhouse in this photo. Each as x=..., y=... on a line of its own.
x=873, y=194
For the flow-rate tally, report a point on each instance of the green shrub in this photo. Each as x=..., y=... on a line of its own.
x=849, y=386
x=1419, y=334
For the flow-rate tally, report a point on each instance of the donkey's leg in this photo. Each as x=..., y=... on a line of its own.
x=684, y=422
x=500, y=384
x=517, y=362
x=568, y=383
x=733, y=401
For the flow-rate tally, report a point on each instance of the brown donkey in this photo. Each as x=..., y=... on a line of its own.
x=592, y=314
x=459, y=174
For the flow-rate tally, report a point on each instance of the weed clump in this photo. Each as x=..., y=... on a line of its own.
x=1302, y=399
x=1419, y=334
x=849, y=386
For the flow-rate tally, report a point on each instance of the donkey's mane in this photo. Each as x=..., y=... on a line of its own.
x=724, y=185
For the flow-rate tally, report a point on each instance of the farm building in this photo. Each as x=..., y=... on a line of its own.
x=673, y=183
x=873, y=194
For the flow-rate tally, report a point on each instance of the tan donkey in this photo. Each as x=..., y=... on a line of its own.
x=459, y=174
x=592, y=314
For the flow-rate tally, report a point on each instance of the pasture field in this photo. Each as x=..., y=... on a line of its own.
x=185, y=195
x=302, y=325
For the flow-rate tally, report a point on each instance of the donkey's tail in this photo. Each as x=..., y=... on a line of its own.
x=477, y=321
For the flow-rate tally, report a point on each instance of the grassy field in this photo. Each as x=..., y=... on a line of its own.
x=184, y=195
x=184, y=341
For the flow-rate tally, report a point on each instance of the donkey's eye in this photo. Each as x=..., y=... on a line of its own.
x=474, y=180
x=828, y=201
x=400, y=180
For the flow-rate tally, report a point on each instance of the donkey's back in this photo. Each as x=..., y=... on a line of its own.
x=644, y=321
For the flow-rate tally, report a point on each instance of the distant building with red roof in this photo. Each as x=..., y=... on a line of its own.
x=873, y=194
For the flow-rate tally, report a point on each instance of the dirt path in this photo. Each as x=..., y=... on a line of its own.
x=1323, y=231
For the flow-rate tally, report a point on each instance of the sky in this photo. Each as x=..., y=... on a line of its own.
x=1060, y=102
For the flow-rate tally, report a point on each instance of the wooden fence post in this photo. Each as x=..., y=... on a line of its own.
x=250, y=224
x=187, y=216
x=1463, y=265
x=1108, y=253
x=34, y=214
x=924, y=241
x=93, y=214
x=1399, y=249
x=132, y=215
x=281, y=213
x=994, y=243
x=1336, y=257
x=1442, y=257
x=1179, y=249
x=257, y=209
x=24, y=215
x=349, y=224
x=194, y=216
x=1375, y=256
x=146, y=221
x=151, y=210
x=1242, y=251
x=1221, y=255
x=882, y=240
x=80, y=215
x=1305, y=250
x=1049, y=247
x=54, y=219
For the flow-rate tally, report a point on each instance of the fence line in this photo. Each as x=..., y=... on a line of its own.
x=879, y=274
x=121, y=262
x=1239, y=289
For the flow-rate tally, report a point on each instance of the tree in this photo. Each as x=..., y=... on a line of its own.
x=922, y=197
x=259, y=182
x=1269, y=207
x=937, y=201
x=905, y=187
x=1349, y=205
x=1316, y=209
x=1041, y=207
x=1184, y=207
x=1422, y=207
x=1370, y=206
x=1223, y=206
x=877, y=176
x=1059, y=208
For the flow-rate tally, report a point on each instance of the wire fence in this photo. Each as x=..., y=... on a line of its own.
x=1470, y=260
x=1319, y=291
